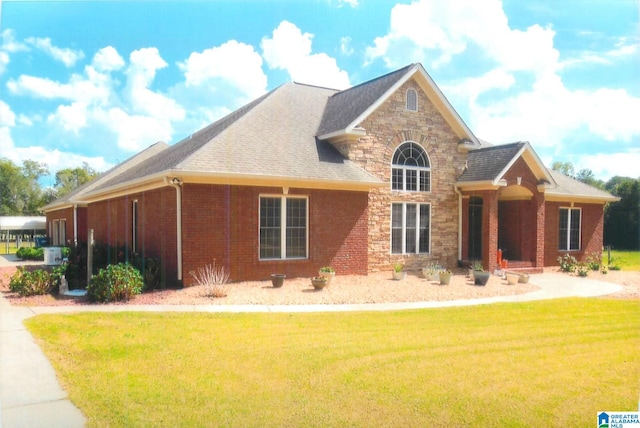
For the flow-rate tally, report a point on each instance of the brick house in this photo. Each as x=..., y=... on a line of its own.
x=359, y=179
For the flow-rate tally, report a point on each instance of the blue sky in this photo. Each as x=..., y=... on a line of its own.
x=97, y=81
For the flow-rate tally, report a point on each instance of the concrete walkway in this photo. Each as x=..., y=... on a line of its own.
x=30, y=395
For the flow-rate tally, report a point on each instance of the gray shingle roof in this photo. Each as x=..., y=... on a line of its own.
x=568, y=186
x=122, y=168
x=274, y=136
x=487, y=163
x=346, y=106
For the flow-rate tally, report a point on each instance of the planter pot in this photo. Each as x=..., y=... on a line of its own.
x=319, y=283
x=512, y=278
x=277, y=279
x=480, y=277
x=445, y=278
x=524, y=278
x=328, y=275
x=399, y=275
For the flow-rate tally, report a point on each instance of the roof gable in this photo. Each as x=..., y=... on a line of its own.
x=347, y=109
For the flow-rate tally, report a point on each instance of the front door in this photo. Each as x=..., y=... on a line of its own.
x=475, y=228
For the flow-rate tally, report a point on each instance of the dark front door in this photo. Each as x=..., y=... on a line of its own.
x=475, y=228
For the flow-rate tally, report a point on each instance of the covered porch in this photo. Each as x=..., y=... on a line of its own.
x=502, y=214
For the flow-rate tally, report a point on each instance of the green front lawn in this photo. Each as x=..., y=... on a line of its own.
x=627, y=260
x=553, y=363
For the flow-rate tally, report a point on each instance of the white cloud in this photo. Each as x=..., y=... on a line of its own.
x=144, y=63
x=9, y=43
x=441, y=30
x=345, y=46
x=7, y=117
x=107, y=59
x=67, y=56
x=607, y=165
x=232, y=64
x=290, y=50
x=70, y=117
x=135, y=132
x=4, y=61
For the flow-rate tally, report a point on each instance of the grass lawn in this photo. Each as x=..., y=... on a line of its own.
x=627, y=260
x=552, y=363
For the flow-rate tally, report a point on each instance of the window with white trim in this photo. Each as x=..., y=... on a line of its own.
x=411, y=169
x=283, y=227
x=58, y=232
x=569, y=229
x=410, y=228
x=412, y=100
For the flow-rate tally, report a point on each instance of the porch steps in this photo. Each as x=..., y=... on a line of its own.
x=522, y=266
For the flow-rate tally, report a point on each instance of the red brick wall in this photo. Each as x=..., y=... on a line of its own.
x=221, y=223
x=112, y=224
x=592, y=227
x=63, y=214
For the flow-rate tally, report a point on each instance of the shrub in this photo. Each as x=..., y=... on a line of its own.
x=582, y=269
x=27, y=253
x=151, y=272
x=213, y=279
x=31, y=283
x=593, y=260
x=114, y=283
x=567, y=263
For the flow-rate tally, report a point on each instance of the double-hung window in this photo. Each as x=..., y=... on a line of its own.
x=283, y=227
x=410, y=228
x=411, y=169
x=569, y=229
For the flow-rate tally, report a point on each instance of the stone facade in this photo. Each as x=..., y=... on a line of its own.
x=390, y=125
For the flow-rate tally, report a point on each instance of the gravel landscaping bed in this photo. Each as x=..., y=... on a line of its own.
x=374, y=288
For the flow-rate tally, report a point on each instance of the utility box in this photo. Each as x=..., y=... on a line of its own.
x=52, y=256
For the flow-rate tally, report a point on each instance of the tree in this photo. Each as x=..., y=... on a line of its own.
x=622, y=218
x=70, y=179
x=588, y=177
x=20, y=192
x=564, y=167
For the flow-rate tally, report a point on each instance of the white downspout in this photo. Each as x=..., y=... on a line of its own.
x=75, y=225
x=455, y=188
x=177, y=184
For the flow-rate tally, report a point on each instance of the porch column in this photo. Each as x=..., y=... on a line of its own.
x=540, y=235
x=490, y=229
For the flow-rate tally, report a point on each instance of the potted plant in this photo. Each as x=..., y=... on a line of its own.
x=445, y=277
x=277, y=279
x=431, y=272
x=327, y=272
x=398, y=272
x=512, y=278
x=524, y=278
x=319, y=282
x=480, y=276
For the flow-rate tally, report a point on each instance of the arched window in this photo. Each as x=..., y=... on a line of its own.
x=411, y=169
x=412, y=100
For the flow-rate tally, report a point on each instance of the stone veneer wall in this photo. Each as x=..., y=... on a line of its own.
x=387, y=127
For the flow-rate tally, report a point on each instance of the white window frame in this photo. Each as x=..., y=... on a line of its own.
x=411, y=101
x=58, y=230
x=566, y=246
x=418, y=205
x=283, y=226
x=406, y=170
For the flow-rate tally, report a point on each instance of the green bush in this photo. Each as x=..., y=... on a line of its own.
x=27, y=253
x=567, y=263
x=114, y=283
x=31, y=283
